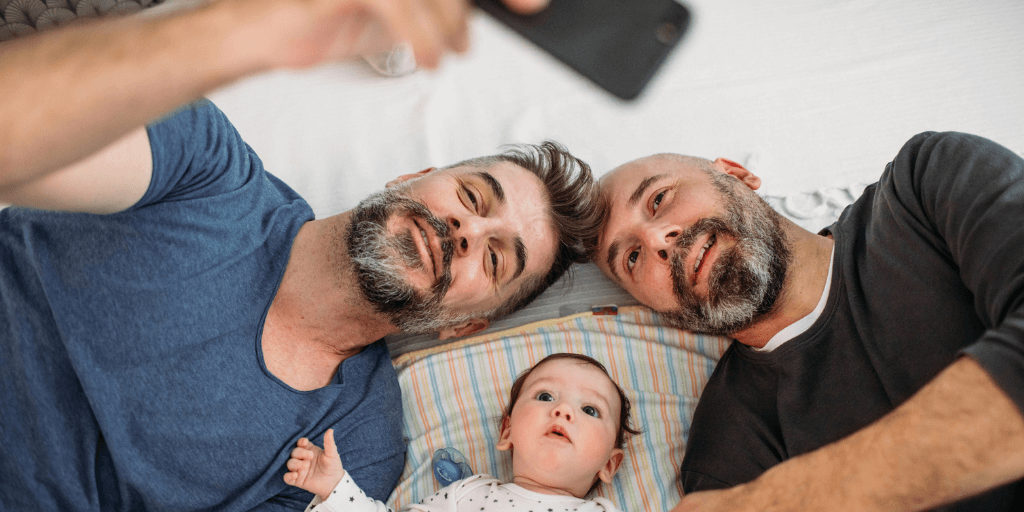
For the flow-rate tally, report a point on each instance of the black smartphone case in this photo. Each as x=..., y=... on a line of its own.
x=617, y=44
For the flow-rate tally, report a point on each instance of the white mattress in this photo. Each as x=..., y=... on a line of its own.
x=810, y=93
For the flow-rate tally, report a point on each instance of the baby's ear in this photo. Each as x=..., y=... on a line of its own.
x=608, y=471
x=504, y=443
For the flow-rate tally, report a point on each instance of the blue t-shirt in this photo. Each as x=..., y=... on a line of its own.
x=131, y=370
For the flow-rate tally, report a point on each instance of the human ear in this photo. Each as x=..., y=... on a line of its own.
x=609, y=469
x=739, y=172
x=504, y=441
x=406, y=177
x=467, y=328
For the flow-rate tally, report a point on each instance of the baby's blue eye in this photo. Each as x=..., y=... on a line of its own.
x=544, y=396
x=590, y=411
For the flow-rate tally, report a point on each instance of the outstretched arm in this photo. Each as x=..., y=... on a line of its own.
x=74, y=91
x=958, y=436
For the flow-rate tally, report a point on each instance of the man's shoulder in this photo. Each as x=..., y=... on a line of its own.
x=954, y=159
x=933, y=177
x=197, y=153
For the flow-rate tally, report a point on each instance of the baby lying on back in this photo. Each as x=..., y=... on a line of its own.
x=565, y=425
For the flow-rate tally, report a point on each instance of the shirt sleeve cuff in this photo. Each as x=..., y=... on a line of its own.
x=346, y=497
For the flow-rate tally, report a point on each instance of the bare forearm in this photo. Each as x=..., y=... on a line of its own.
x=71, y=92
x=959, y=436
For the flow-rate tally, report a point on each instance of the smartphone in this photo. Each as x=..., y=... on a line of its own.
x=617, y=44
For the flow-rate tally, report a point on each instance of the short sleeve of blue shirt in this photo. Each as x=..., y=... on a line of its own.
x=197, y=153
x=130, y=358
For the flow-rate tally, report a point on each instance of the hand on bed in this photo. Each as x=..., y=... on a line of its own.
x=315, y=470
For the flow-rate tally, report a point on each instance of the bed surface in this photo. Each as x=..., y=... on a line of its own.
x=809, y=93
x=814, y=96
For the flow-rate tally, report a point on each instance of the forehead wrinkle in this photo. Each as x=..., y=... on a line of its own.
x=520, y=256
x=495, y=186
x=641, y=188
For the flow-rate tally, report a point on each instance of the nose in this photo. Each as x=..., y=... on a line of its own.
x=562, y=410
x=468, y=231
x=660, y=239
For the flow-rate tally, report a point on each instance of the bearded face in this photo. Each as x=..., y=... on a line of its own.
x=381, y=260
x=745, y=280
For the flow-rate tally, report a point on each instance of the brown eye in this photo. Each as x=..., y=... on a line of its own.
x=631, y=260
x=657, y=201
x=472, y=198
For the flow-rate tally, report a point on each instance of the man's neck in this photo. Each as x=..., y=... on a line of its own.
x=810, y=255
x=318, y=317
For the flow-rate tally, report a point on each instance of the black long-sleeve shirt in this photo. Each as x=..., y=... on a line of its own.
x=929, y=265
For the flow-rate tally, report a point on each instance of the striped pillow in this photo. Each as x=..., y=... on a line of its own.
x=453, y=396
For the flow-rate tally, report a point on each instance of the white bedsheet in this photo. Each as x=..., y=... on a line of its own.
x=809, y=93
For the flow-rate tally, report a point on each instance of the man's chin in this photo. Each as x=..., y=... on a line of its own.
x=719, y=313
x=702, y=323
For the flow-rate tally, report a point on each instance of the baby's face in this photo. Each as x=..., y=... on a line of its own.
x=563, y=428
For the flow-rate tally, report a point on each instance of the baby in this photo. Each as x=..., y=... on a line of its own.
x=565, y=425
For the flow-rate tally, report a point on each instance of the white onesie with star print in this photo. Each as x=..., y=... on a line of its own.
x=478, y=493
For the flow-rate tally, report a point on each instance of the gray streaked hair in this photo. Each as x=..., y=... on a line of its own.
x=572, y=195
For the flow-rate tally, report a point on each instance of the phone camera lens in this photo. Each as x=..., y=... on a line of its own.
x=665, y=33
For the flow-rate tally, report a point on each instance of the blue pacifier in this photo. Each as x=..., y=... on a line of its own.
x=450, y=466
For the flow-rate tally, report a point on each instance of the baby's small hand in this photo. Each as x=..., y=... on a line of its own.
x=315, y=470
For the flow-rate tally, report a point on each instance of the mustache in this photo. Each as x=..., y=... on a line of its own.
x=685, y=243
x=372, y=217
x=685, y=240
x=745, y=279
x=729, y=259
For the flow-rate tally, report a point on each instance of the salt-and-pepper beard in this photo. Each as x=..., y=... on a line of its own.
x=381, y=260
x=745, y=280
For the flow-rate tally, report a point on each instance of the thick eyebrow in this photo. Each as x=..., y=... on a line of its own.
x=613, y=249
x=613, y=252
x=520, y=256
x=499, y=194
x=641, y=188
x=496, y=190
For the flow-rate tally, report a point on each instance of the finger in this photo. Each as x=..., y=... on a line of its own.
x=303, y=443
x=295, y=465
x=291, y=477
x=406, y=22
x=330, y=448
x=302, y=454
x=451, y=15
x=526, y=6
x=459, y=41
x=431, y=29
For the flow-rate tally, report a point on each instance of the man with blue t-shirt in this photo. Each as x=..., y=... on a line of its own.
x=173, y=318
